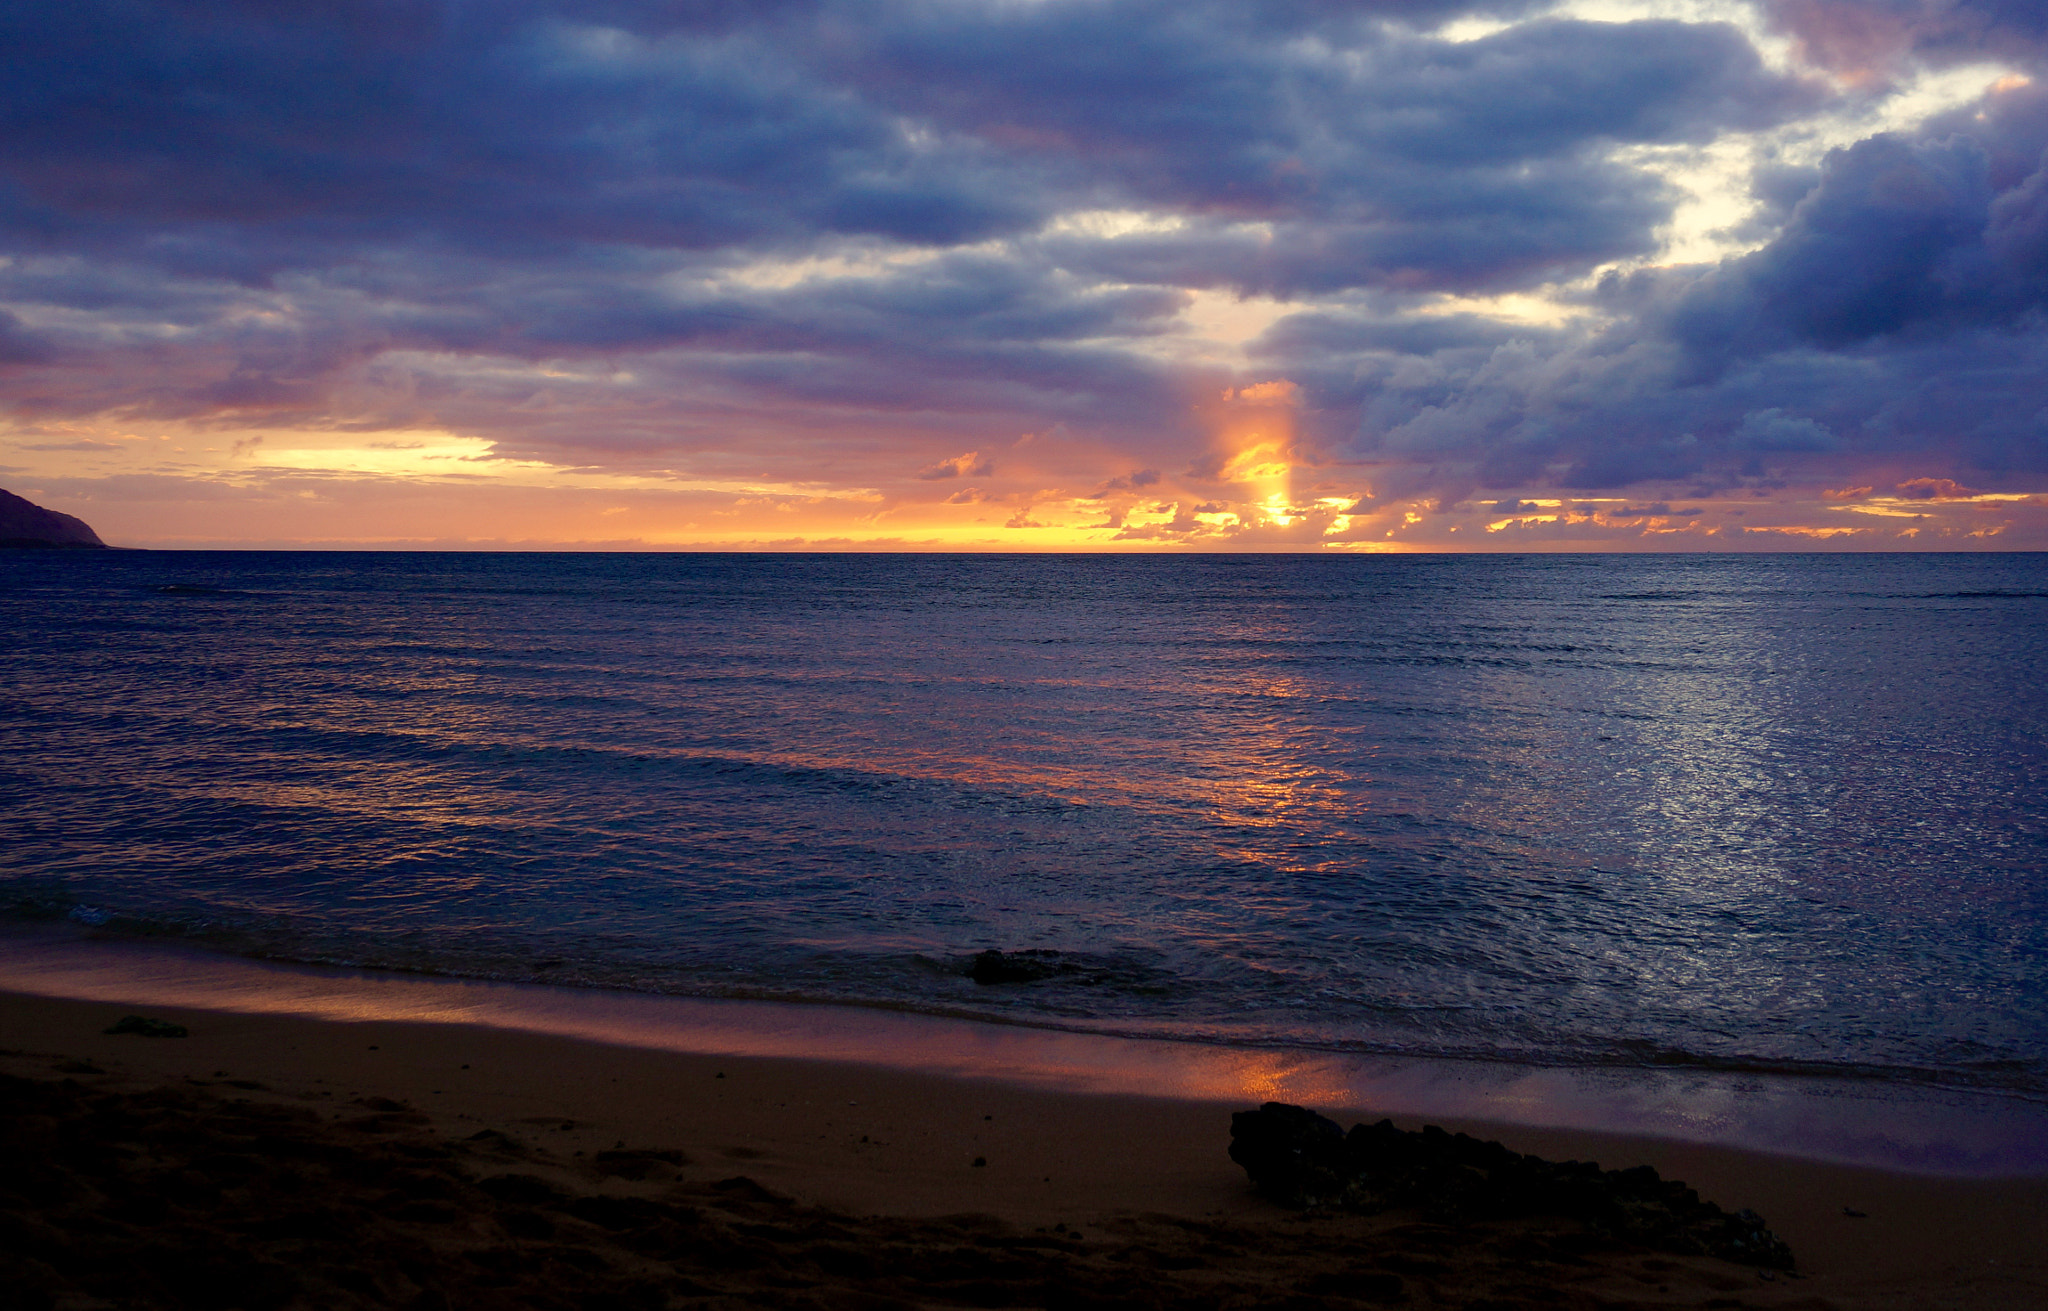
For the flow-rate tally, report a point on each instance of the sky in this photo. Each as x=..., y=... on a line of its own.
x=1390, y=275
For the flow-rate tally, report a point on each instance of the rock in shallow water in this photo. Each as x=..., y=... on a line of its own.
x=1014, y=966
x=1304, y=1160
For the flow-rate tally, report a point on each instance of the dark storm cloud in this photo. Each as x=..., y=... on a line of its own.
x=19, y=346
x=977, y=299
x=173, y=131
x=1897, y=314
x=1406, y=160
x=1470, y=230
x=364, y=213
x=1877, y=37
x=241, y=208
x=1336, y=335
x=1900, y=235
x=506, y=128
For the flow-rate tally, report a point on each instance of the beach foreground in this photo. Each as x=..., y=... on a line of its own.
x=277, y=1161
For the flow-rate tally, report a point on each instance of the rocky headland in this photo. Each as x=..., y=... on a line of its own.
x=24, y=524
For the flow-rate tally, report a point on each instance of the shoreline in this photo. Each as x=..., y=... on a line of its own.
x=875, y=1145
x=1912, y=1128
x=45, y=931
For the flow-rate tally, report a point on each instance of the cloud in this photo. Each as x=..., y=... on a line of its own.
x=18, y=345
x=841, y=242
x=1135, y=480
x=1934, y=489
x=1892, y=239
x=972, y=464
x=1775, y=430
x=1874, y=40
x=1898, y=308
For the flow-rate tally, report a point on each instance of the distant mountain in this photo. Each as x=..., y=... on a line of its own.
x=24, y=523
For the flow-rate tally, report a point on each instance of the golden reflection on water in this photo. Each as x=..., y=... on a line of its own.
x=1251, y=760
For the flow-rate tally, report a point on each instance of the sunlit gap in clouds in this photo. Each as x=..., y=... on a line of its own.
x=1716, y=211
x=769, y=285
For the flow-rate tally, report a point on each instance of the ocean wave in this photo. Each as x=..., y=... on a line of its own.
x=1055, y=1001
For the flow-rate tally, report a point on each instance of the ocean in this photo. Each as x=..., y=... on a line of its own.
x=1769, y=813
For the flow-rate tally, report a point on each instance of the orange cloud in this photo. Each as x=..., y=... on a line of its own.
x=1255, y=430
x=1277, y=392
x=1794, y=530
x=1845, y=493
x=971, y=464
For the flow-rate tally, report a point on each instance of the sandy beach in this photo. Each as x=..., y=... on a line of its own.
x=276, y=1161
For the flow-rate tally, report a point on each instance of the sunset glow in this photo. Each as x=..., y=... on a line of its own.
x=1599, y=275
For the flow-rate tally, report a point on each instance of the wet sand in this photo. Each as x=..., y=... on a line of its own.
x=280, y=1161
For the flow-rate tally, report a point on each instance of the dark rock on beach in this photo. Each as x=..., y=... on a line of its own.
x=638, y=1163
x=24, y=524
x=1306, y=1161
x=147, y=1027
x=176, y=1197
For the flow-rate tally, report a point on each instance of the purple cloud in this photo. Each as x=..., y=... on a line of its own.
x=852, y=236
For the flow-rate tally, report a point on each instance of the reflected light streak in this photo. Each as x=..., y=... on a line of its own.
x=1255, y=425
